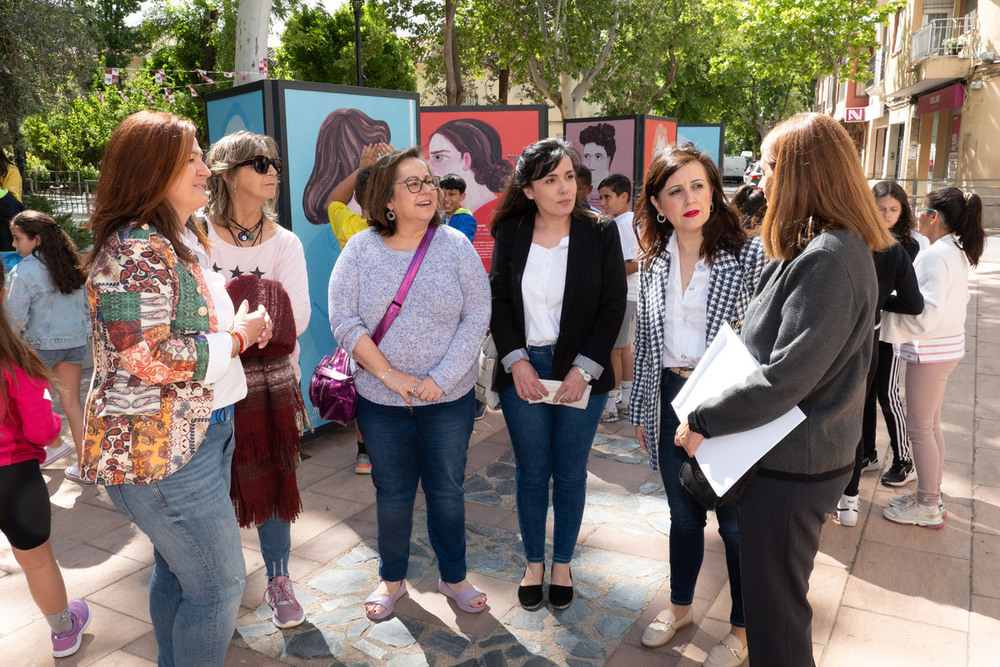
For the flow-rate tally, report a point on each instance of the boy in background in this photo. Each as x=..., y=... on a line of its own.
x=452, y=196
x=616, y=198
x=584, y=186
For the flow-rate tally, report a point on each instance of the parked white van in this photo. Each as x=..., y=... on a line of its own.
x=733, y=167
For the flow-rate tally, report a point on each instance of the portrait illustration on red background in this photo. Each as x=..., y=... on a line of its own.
x=480, y=144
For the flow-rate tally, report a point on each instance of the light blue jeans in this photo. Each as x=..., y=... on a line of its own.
x=199, y=573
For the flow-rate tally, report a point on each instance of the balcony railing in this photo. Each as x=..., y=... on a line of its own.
x=942, y=38
x=876, y=69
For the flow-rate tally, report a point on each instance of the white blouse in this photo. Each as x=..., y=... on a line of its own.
x=685, y=317
x=542, y=287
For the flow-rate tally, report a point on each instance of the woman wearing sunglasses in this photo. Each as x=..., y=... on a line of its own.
x=265, y=260
x=415, y=388
x=933, y=342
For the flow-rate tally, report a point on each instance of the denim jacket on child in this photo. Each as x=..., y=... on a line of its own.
x=44, y=316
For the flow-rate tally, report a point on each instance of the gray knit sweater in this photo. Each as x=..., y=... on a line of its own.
x=810, y=326
x=441, y=326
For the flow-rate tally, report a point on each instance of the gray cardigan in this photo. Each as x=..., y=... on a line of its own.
x=810, y=326
x=441, y=325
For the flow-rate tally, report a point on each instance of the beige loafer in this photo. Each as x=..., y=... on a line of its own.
x=726, y=653
x=664, y=627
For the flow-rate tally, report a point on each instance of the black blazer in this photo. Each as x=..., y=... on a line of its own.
x=593, y=304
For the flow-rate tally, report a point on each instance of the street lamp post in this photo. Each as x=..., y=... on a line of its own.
x=357, y=5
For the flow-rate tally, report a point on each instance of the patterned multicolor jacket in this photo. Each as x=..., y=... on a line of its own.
x=147, y=411
x=731, y=284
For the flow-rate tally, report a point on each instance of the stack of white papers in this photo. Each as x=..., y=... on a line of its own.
x=724, y=459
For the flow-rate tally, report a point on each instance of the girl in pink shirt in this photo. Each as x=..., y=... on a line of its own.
x=27, y=425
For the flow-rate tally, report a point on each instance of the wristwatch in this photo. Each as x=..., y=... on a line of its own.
x=587, y=377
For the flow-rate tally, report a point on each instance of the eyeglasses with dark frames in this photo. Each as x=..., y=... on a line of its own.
x=415, y=185
x=261, y=163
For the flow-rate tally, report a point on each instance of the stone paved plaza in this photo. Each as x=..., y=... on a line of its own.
x=882, y=594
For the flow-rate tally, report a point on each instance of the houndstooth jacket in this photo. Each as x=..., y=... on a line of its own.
x=731, y=284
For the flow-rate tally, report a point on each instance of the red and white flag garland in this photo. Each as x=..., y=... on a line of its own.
x=111, y=77
x=159, y=76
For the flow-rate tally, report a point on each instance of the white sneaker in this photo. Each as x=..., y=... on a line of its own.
x=56, y=451
x=73, y=473
x=912, y=514
x=847, y=510
x=906, y=499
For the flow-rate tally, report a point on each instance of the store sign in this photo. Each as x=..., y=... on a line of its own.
x=854, y=114
x=951, y=97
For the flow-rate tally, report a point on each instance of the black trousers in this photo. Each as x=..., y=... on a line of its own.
x=780, y=524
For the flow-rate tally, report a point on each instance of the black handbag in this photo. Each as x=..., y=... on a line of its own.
x=694, y=481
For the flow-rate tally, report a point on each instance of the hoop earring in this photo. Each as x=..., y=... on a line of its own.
x=660, y=218
x=390, y=215
x=711, y=208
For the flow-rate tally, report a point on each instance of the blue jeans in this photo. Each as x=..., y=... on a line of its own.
x=688, y=517
x=199, y=573
x=551, y=442
x=275, y=538
x=426, y=444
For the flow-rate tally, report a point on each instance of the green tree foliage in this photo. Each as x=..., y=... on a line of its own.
x=118, y=42
x=43, y=44
x=318, y=46
x=70, y=135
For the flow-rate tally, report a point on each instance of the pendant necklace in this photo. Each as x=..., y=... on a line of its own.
x=251, y=234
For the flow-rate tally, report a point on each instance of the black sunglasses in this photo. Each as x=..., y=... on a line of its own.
x=261, y=163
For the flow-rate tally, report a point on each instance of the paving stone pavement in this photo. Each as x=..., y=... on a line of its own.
x=882, y=594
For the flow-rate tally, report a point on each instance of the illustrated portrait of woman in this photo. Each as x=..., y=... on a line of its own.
x=472, y=149
x=598, y=143
x=338, y=147
x=661, y=140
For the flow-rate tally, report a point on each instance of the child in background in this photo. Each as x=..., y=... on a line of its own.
x=27, y=424
x=47, y=306
x=452, y=196
x=345, y=223
x=616, y=200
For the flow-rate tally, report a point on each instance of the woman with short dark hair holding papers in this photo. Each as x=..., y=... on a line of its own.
x=697, y=272
x=558, y=281
x=809, y=325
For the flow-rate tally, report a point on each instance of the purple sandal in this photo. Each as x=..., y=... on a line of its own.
x=462, y=598
x=387, y=602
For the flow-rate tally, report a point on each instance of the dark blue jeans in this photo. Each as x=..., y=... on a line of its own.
x=551, y=442
x=426, y=444
x=688, y=516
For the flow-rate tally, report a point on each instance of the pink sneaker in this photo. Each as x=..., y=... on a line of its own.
x=287, y=611
x=68, y=643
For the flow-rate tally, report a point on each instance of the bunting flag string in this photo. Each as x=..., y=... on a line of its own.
x=114, y=78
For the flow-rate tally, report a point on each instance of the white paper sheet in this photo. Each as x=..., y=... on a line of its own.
x=552, y=386
x=724, y=459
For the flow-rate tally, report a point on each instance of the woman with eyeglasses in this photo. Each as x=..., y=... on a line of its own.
x=933, y=342
x=415, y=389
x=263, y=262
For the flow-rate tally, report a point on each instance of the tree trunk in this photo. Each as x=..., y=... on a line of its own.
x=503, y=81
x=251, y=39
x=454, y=93
x=207, y=48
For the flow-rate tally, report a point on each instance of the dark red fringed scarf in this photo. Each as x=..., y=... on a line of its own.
x=270, y=420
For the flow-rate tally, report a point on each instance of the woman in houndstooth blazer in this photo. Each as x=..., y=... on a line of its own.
x=697, y=270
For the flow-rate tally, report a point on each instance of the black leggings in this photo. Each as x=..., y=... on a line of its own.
x=868, y=418
x=25, y=513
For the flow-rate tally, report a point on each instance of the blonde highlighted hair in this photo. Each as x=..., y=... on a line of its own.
x=221, y=159
x=817, y=183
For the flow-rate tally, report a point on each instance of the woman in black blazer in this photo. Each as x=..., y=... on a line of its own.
x=558, y=281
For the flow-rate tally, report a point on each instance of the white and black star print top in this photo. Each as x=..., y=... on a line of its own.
x=280, y=258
